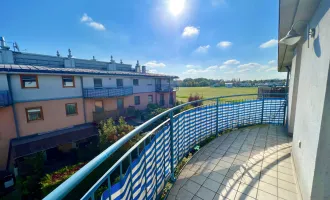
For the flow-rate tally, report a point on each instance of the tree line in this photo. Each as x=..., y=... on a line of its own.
x=204, y=82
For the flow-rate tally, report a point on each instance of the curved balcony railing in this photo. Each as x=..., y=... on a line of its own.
x=107, y=92
x=153, y=159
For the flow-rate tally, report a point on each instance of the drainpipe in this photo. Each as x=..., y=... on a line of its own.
x=287, y=96
x=13, y=106
x=82, y=92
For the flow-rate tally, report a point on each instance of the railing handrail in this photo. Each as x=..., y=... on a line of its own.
x=92, y=88
x=62, y=190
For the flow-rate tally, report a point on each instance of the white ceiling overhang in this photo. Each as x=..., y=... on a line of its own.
x=291, y=11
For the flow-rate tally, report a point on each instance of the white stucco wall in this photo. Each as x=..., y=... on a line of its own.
x=88, y=81
x=309, y=126
x=3, y=82
x=50, y=87
x=145, y=85
x=293, y=88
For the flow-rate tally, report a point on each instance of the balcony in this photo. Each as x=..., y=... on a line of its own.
x=5, y=98
x=164, y=87
x=114, y=114
x=240, y=160
x=107, y=92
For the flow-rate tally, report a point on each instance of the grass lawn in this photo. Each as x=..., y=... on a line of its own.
x=183, y=93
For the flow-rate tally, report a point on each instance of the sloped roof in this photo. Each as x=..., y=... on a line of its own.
x=13, y=68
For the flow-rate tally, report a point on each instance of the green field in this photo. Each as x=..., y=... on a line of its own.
x=183, y=93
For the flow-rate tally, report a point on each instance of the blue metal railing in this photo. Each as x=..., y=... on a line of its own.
x=5, y=98
x=107, y=92
x=164, y=87
x=169, y=142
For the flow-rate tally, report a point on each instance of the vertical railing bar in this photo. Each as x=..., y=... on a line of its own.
x=93, y=196
x=195, y=127
x=155, y=161
x=121, y=170
x=172, y=146
x=262, y=109
x=145, y=169
x=109, y=187
x=217, y=118
x=131, y=174
x=178, y=137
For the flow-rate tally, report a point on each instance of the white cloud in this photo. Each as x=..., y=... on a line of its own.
x=153, y=71
x=190, y=31
x=249, y=66
x=230, y=72
x=271, y=69
x=90, y=22
x=272, y=62
x=262, y=68
x=244, y=70
x=154, y=63
x=223, y=67
x=224, y=44
x=197, y=71
x=268, y=44
x=202, y=49
x=231, y=62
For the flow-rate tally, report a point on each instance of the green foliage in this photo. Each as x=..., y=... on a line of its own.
x=109, y=132
x=28, y=185
x=50, y=181
x=204, y=82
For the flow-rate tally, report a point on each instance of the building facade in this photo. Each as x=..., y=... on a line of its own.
x=307, y=61
x=45, y=100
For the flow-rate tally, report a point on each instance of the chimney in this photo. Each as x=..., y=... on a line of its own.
x=137, y=67
x=3, y=43
x=144, y=69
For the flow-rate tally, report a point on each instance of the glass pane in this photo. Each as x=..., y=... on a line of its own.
x=135, y=81
x=137, y=100
x=120, y=103
x=29, y=81
x=98, y=106
x=150, y=99
x=68, y=82
x=120, y=83
x=97, y=82
x=71, y=109
x=34, y=114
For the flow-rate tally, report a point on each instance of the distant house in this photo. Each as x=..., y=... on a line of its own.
x=229, y=85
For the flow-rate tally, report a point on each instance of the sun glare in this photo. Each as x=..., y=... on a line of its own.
x=176, y=6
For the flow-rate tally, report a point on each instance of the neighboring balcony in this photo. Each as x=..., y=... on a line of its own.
x=114, y=114
x=107, y=92
x=5, y=98
x=164, y=87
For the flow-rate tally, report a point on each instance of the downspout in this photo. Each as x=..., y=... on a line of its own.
x=287, y=96
x=82, y=92
x=13, y=106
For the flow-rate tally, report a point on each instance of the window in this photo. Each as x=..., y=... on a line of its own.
x=68, y=81
x=120, y=103
x=71, y=109
x=136, y=82
x=162, y=100
x=120, y=83
x=34, y=114
x=150, y=99
x=137, y=100
x=98, y=106
x=97, y=83
x=29, y=81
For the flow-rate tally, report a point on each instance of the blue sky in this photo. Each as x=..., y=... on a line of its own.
x=220, y=39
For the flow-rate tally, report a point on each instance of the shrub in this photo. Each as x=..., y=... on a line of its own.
x=195, y=98
x=50, y=181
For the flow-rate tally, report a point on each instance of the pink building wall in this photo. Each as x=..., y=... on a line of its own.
x=54, y=114
x=111, y=103
x=7, y=132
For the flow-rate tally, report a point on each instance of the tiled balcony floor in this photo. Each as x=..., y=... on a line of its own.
x=249, y=163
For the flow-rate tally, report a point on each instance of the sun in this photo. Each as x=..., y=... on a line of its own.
x=176, y=6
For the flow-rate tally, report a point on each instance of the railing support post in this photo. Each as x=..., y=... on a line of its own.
x=217, y=118
x=172, y=147
x=262, y=109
